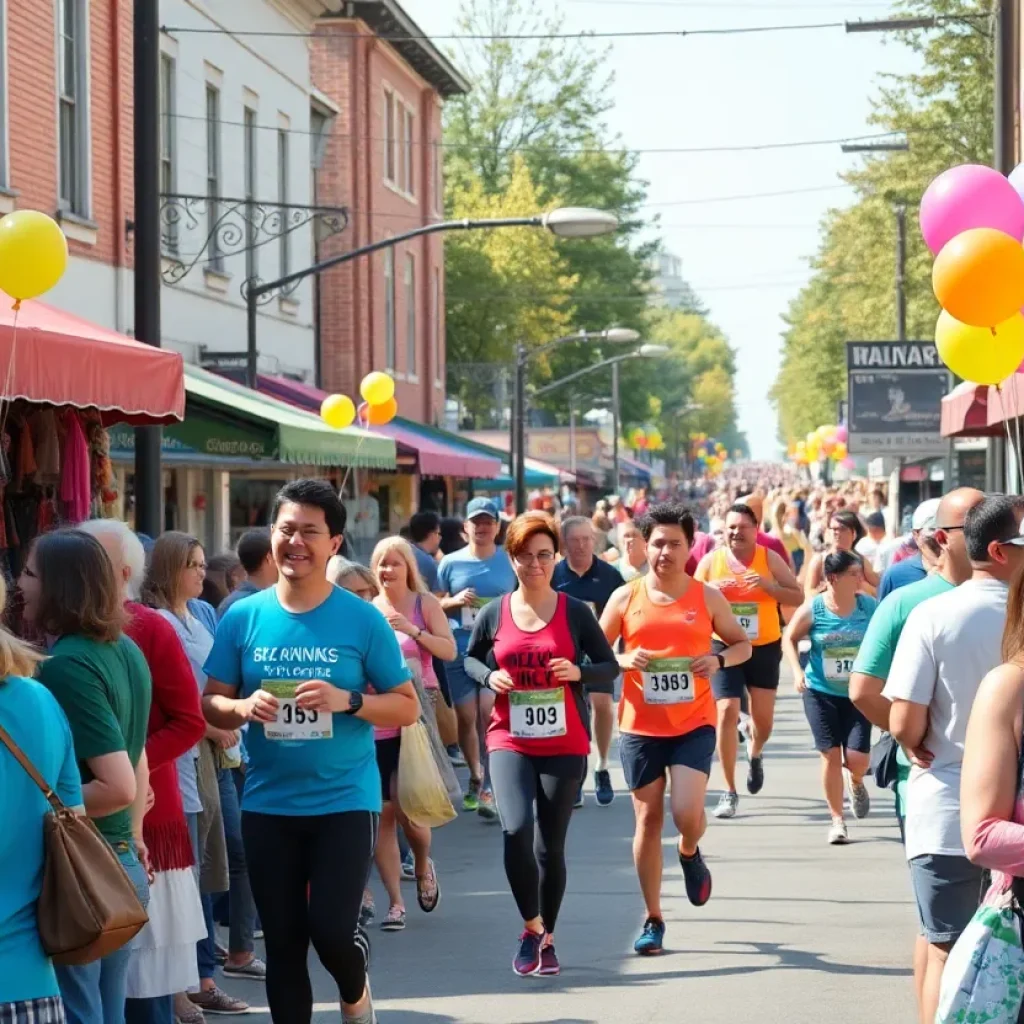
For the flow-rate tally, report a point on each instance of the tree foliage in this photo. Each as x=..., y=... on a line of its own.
x=945, y=109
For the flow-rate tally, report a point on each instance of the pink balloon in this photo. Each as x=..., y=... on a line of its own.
x=970, y=196
x=842, y=434
x=848, y=463
x=1020, y=369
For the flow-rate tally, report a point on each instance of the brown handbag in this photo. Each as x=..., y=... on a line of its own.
x=88, y=906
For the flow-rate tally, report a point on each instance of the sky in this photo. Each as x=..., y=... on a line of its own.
x=745, y=258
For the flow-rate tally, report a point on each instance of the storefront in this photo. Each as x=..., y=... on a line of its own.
x=976, y=417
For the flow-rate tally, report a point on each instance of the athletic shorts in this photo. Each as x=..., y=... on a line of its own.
x=835, y=722
x=948, y=890
x=387, y=763
x=460, y=686
x=645, y=759
x=761, y=672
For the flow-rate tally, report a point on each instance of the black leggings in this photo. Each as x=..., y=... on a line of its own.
x=308, y=874
x=535, y=867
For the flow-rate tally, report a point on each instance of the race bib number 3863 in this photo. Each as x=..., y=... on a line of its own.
x=668, y=681
x=537, y=714
x=293, y=722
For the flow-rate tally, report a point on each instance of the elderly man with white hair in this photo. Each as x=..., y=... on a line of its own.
x=163, y=959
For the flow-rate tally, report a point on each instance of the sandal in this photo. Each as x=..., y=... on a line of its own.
x=395, y=921
x=428, y=890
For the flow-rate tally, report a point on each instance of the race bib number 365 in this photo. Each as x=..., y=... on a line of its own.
x=293, y=722
x=747, y=617
x=537, y=714
x=668, y=681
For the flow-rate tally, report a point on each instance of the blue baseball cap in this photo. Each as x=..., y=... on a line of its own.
x=482, y=507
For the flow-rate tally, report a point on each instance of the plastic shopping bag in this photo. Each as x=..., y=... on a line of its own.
x=429, y=700
x=984, y=976
x=421, y=790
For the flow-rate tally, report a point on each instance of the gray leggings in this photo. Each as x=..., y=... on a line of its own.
x=535, y=858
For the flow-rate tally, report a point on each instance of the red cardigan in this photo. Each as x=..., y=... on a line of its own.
x=176, y=725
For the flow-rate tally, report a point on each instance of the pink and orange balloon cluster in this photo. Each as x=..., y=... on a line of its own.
x=972, y=219
x=709, y=453
x=827, y=442
x=379, y=406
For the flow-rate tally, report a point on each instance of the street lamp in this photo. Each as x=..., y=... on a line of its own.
x=616, y=335
x=567, y=222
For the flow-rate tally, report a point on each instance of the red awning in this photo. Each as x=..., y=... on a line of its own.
x=61, y=359
x=438, y=458
x=966, y=412
x=1005, y=402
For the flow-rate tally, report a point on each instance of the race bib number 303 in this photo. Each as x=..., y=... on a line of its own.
x=839, y=663
x=537, y=714
x=747, y=617
x=668, y=681
x=293, y=722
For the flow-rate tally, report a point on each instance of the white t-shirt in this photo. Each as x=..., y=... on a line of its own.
x=949, y=644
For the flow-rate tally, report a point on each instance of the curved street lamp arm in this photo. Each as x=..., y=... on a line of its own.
x=582, y=373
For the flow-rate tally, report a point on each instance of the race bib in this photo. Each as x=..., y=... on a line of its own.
x=293, y=722
x=668, y=681
x=747, y=616
x=537, y=714
x=839, y=663
x=472, y=610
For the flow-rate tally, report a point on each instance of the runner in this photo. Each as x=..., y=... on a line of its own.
x=294, y=662
x=467, y=580
x=667, y=715
x=755, y=581
x=537, y=650
x=593, y=582
x=632, y=561
x=845, y=532
x=835, y=622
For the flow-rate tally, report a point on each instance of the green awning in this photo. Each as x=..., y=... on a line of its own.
x=300, y=437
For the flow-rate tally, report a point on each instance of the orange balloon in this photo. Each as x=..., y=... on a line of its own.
x=378, y=415
x=978, y=277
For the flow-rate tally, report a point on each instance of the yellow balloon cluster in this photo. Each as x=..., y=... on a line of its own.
x=380, y=405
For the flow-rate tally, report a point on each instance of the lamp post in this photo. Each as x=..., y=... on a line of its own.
x=566, y=222
x=616, y=335
x=643, y=352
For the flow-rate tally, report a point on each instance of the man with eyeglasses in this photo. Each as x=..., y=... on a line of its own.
x=948, y=645
x=466, y=581
x=591, y=580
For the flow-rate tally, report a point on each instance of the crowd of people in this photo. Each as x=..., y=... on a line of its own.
x=233, y=725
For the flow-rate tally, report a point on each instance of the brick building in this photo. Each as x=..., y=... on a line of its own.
x=384, y=162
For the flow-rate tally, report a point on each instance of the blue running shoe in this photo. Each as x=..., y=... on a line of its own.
x=652, y=938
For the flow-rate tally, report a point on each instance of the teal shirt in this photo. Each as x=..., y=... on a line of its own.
x=878, y=647
x=834, y=644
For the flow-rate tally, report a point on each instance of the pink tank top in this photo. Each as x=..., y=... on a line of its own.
x=413, y=651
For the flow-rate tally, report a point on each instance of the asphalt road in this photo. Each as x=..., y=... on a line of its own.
x=796, y=931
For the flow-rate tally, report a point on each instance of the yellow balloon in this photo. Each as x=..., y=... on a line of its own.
x=377, y=388
x=839, y=452
x=983, y=355
x=338, y=411
x=33, y=253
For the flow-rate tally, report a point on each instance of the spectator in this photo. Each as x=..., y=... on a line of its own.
x=425, y=536
x=257, y=561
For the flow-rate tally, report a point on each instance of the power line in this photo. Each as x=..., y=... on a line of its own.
x=748, y=195
x=719, y=5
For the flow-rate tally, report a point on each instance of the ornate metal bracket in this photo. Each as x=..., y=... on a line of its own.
x=228, y=226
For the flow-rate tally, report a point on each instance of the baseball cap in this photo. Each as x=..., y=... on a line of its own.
x=875, y=520
x=924, y=515
x=1017, y=541
x=482, y=507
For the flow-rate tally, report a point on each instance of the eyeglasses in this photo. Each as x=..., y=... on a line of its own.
x=542, y=558
x=309, y=533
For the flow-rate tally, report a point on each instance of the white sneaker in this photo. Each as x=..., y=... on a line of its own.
x=860, y=798
x=727, y=804
x=837, y=834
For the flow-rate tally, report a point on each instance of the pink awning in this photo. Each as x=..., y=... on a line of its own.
x=436, y=458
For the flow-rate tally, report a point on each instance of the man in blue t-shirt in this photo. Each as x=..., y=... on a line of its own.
x=311, y=669
x=466, y=581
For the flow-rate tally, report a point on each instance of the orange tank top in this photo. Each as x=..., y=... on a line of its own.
x=666, y=699
x=756, y=611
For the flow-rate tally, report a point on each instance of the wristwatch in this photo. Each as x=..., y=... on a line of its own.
x=721, y=660
x=355, y=702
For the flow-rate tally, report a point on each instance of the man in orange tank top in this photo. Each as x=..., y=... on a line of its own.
x=667, y=712
x=755, y=581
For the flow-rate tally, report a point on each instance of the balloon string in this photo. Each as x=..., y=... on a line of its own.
x=5, y=400
x=1006, y=429
x=363, y=423
x=1017, y=431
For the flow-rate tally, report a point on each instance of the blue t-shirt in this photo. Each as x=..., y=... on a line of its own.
x=902, y=574
x=427, y=566
x=489, y=577
x=31, y=714
x=834, y=645
x=346, y=641
x=594, y=587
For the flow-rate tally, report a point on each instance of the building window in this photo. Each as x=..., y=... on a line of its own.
x=282, y=197
x=167, y=182
x=389, y=309
x=74, y=107
x=408, y=160
x=389, y=136
x=435, y=323
x=249, y=174
x=216, y=261
x=410, y=314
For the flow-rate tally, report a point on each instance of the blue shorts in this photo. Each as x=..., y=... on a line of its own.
x=645, y=759
x=948, y=891
x=460, y=686
x=836, y=722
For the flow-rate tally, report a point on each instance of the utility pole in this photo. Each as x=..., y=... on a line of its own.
x=901, y=272
x=520, y=429
x=572, y=433
x=149, y=511
x=615, y=428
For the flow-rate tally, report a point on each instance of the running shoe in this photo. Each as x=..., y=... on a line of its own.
x=455, y=756
x=486, y=807
x=727, y=805
x=528, y=958
x=837, y=834
x=697, y=876
x=549, y=964
x=395, y=921
x=471, y=801
x=409, y=867
x=860, y=798
x=215, y=1001
x=755, y=775
x=254, y=970
x=580, y=801
x=188, y=1015
x=367, y=910
x=652, y=938
x=603, y=785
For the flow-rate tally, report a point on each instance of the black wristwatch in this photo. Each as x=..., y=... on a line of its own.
x=355, y=702
x=721, y=660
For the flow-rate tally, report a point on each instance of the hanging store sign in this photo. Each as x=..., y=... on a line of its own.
x=201, y=436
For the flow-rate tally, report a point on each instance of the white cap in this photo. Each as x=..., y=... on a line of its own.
x=924, y=515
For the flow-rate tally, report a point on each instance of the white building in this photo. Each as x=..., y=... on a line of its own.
x=669, y=287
